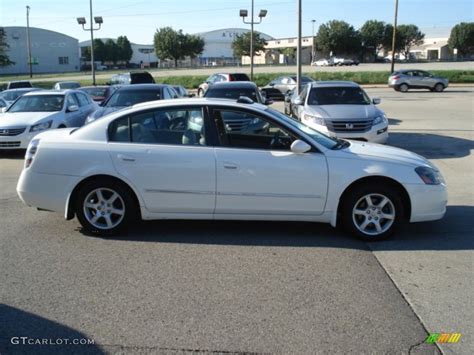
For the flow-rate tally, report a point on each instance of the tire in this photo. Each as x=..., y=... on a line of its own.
x=115, y=202
x=384, y=202
x=403, y=87
x=438, y=87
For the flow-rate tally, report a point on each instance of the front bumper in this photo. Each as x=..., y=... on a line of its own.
x=377, y=134
x=428, y=202
x=20, y=141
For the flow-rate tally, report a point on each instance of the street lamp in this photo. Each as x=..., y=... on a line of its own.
x=28, y=40
x=98, y=20
x=261, y=15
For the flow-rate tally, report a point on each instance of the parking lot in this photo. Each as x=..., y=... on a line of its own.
x=257, y=287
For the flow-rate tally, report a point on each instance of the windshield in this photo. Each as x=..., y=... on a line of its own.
x=344, y=95
x=69, y=85
x=129, y=98
x=38, y=103
x=320, y=138
x=232, y=94
x=97, y=92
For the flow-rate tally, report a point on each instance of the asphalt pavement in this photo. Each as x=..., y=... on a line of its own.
x=251, y=287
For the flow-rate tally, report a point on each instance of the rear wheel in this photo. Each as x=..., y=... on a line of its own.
x=372, y=213
x=104, y=207
x=403, y=87
x=439, y=87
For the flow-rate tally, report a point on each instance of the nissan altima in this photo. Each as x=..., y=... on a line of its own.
x=178, y=159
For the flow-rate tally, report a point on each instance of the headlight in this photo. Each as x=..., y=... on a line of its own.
x=41, y=126
x=380, y=119
x=314, y=119
x=429, y=176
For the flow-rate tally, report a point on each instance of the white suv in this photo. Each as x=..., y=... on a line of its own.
x=341, y=109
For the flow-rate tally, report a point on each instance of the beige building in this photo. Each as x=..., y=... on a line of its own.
x=432, y=49
x=283, y=51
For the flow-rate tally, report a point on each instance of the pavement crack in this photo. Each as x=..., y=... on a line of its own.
x=181, y=350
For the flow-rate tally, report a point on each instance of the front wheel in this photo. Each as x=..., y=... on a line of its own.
x=372, y=213
x=439, y=87
x=104, y=207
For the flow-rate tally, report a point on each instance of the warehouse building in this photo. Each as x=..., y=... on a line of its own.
x=51, y=52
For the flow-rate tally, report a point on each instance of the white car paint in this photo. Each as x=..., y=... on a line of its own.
x=16, y=127
x=213, y=182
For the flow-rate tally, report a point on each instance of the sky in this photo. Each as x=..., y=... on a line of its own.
x=138, y=19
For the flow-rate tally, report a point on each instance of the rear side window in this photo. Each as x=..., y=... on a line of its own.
x=119, y=130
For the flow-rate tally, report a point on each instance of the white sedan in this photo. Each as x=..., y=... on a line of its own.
x=38, y=111
x=184, y=159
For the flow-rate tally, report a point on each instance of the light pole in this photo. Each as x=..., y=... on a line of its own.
x=98, y=20
x=261, y=15
x=28, y=39
x=298, y=48
x=394, y=36
x=313, y=52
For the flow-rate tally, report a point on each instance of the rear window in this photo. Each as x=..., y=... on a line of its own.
x=141, y=78
x=239, y=77
x=122, y=98
x=232, y=94
x=19, y=84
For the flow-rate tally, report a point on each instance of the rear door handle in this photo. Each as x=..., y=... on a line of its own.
x=125, y=157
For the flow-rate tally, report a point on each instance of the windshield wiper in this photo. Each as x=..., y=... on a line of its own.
x=341, y=144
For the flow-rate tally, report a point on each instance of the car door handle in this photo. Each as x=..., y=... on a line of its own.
x=125, y=157
x=231, y=166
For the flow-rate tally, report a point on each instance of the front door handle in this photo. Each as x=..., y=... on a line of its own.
x=125, y=157
x=228, y=165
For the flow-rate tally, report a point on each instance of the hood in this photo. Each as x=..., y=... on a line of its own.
x=385, y=152
x=16, y=119
x=344, y=112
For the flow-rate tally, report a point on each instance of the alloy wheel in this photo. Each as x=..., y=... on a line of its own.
x=373, y=214
x=104, y=208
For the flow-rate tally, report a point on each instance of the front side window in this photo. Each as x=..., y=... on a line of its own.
x=38, y=103
x=71, y=100
x=83, y=101
x=346, y=95
x=242, y=129
x=171, y=126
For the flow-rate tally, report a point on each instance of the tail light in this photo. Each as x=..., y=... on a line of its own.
x=396, y=77
x=30, y=152
x=231, y=78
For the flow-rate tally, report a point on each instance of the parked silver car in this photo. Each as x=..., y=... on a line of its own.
x=341, y=109
x=405, y=79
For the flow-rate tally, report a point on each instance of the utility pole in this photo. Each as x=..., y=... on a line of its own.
x=298, y=48
x=28, y=40
x=261, y=15
x=313, y=52
x=394, y=35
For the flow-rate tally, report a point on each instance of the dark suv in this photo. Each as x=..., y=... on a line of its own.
x=220, y=78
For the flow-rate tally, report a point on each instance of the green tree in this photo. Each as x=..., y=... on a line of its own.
x=408, y=36
x=125, y=51
x=462, y=38
x=338, y=37
x=111, y=51
x=4, y=59
x=176, y=45
x=99, y=51
x=241, y=44
x=376, y=36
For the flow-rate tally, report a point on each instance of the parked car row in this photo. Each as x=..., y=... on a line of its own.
x=334, y=61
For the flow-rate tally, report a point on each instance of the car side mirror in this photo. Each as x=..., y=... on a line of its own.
x=268, y=101
x=298, y=101
x=376, y=100
x=300, y=147
x=72, y=108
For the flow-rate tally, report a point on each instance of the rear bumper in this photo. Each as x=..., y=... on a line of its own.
x=45, y=191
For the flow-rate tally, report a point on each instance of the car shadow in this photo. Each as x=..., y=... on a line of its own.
x=12, y=154
x=432, y=146
x=16, y=323
x=394, y=121
x=453, y=232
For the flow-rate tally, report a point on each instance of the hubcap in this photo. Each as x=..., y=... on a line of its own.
x=373, y=214
x=104, y=208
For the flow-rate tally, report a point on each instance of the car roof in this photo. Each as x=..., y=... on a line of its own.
x=21, y=89
x=234, y=84
x=142, y=87
x=197, y=101
x=93, y=87
x=52, y=92
x=333, y=83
